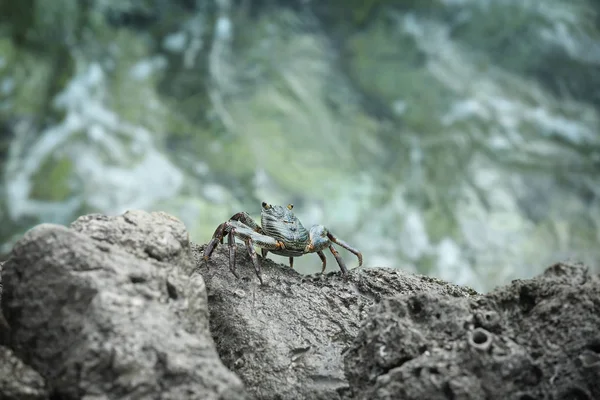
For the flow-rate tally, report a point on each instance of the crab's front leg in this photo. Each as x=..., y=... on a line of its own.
x=222, y=230
x=245, y=219
x=320, y=238
x=237, y=229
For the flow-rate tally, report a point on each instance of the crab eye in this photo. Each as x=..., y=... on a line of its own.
x=290, y=206
x=265, y=205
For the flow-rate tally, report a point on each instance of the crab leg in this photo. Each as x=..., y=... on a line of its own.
x=231, y=243
x=339, y=259
x=245, y=219
x=254, y=257
x=223, y=230
x=323, y=259
x=240, y=230
x=345, y=245
x=320, y=238
x=217, y=238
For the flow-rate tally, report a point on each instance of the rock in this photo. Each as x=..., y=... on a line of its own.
x=119, y=307
x=108, y=309
x=533, y=339
x=157, y=236
x=4, y=328
x=285, y=339
x=18, y=381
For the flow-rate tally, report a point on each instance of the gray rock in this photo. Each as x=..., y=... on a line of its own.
x=285, y=339
x=18, y=381
x=118, y=307
x=111, y=311
x=4, y=328
x=533, y=339
x=157, y=235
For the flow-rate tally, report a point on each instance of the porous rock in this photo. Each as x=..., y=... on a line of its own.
x=108, y=309
x=18, y=381
x=158, y=236
x=3, y=324
x=285, y=339
x=532, y=339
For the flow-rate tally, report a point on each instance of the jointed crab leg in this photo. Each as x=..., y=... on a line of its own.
x=238, y=229
x=345, y=245
x=321, y=238
x=254, y=257
x=245, y=219
x=323, y=259
x=231, y=243
x=339, y=259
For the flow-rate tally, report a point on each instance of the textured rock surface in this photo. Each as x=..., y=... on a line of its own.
x=155, y=236
x=533, y=339
x=18, y=381
x=285, y=339
x=3, y=324
x=112, y=312
x=119, y=307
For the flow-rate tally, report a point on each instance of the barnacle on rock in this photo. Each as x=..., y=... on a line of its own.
x=480, y=339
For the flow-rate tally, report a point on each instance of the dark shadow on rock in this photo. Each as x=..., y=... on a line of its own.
x=108, y=309
x=532, y=339
x=285, y=339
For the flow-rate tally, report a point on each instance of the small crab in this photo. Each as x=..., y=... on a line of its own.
x=281, y=233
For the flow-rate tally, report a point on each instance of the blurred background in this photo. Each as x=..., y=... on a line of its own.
x=455, y=138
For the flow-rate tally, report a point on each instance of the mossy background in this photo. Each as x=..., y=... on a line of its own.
x=456, y=139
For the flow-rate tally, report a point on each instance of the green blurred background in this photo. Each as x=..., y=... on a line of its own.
x=455, y=138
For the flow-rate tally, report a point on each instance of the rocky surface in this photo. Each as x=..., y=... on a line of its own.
x=107, y=309
x=285, y=339
x=18, y=381
x=3, y=324
x=125, y=307
x=533, y=339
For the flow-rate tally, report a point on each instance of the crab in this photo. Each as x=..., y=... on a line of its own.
x=281, y=233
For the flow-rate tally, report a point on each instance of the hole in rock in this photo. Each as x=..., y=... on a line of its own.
x=415, y=306
x=137, y=279
x=527, y=298
x=491, y=318
x=480, y=339
x=535, y=375
x=594, y=346
x=172, y=291
x=480, y=336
